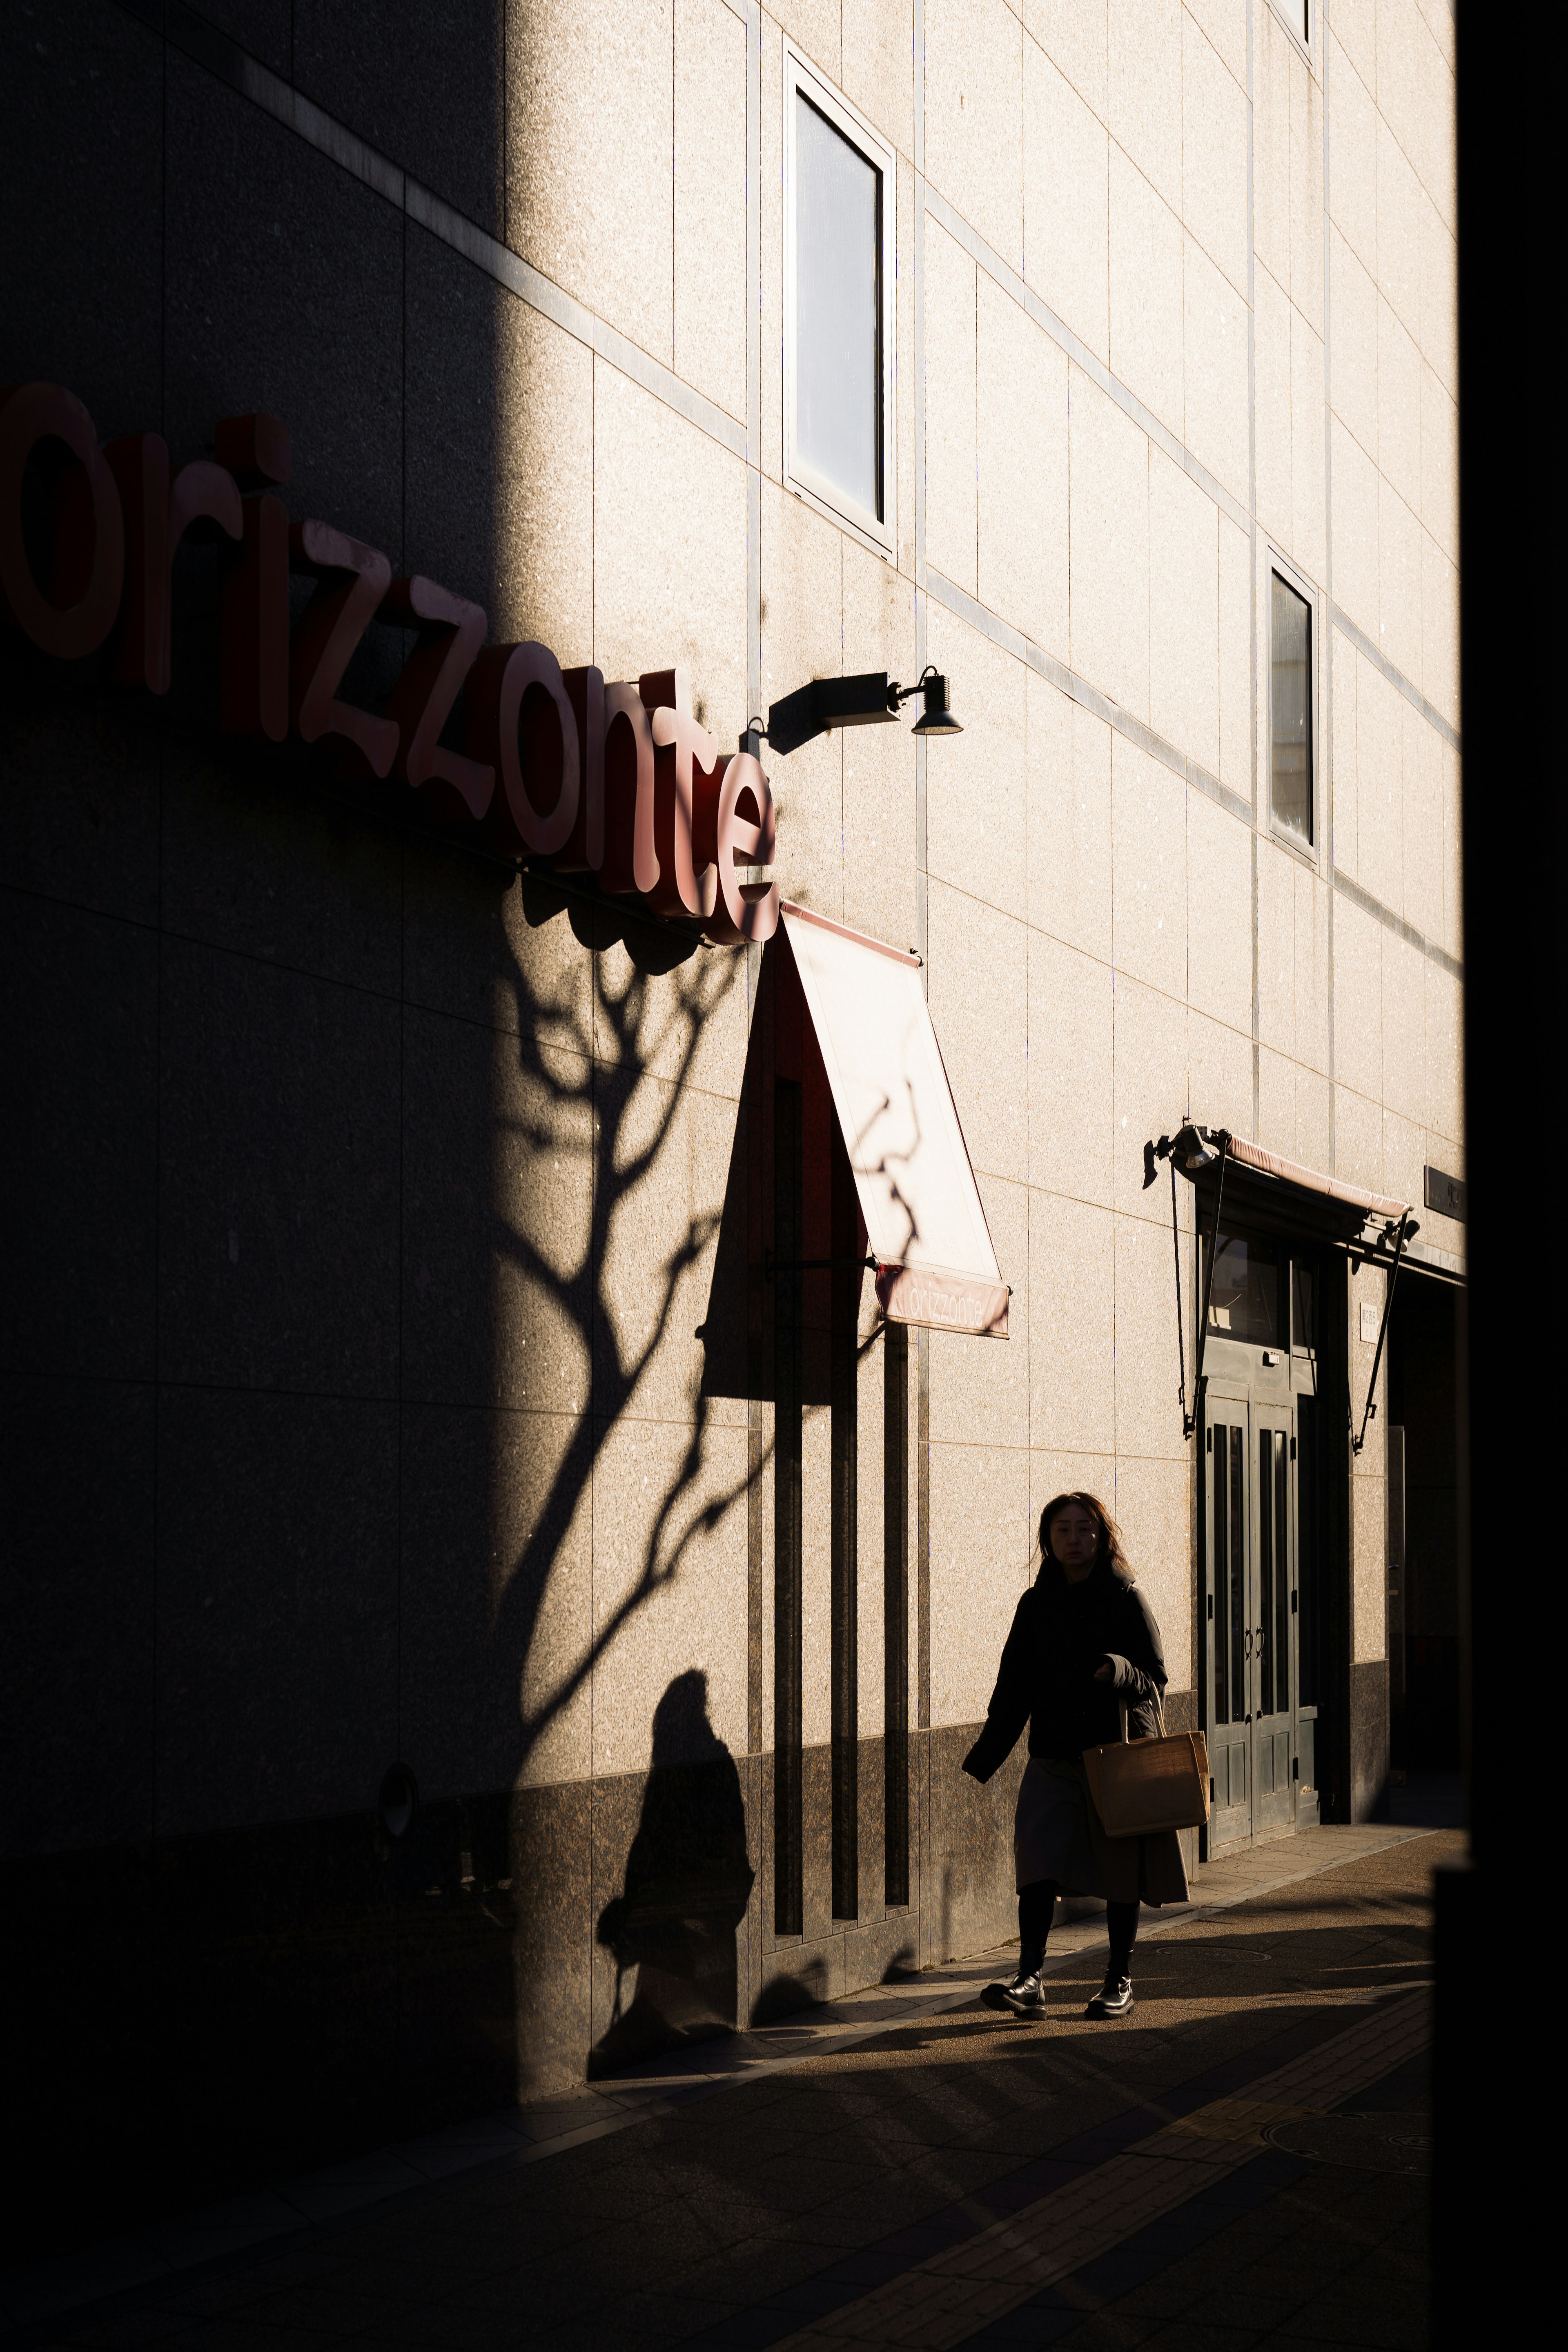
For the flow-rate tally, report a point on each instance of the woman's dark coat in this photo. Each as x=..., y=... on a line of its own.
x=1062, y=1633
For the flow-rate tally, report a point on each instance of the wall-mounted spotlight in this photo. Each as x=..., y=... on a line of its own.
x=936, y=718
x=873, y=699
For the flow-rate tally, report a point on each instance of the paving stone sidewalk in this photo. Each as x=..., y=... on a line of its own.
x=1243, y=2159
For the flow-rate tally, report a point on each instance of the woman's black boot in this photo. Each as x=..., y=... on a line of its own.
x=1022, y=1995
x=1037, y=1903
x=1114, y=1998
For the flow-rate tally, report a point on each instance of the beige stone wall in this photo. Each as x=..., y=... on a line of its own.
x=1171, y=294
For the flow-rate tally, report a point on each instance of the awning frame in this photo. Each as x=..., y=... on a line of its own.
x=1194, y=1150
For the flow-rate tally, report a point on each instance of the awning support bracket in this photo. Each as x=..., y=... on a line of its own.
x=1181, y=1333
x=1358, y=1442
x=1189, y=1420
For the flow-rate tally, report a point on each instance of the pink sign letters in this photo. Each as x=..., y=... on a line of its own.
x=557, y=766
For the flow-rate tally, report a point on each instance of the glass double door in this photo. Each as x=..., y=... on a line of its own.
x=1251, y=1612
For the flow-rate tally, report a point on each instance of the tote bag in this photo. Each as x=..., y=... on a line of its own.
x=1141, y=1786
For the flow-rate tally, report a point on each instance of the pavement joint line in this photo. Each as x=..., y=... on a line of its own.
x=313, y=2204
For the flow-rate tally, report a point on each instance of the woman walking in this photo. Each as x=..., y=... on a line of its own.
x=1083, y=1639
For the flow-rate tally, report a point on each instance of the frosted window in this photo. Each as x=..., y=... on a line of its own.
x=1290, y=704
x=837, y=323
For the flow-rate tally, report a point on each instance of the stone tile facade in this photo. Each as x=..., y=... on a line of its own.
x=370, y=1202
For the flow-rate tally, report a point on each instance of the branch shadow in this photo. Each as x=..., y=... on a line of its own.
x=599, y=1056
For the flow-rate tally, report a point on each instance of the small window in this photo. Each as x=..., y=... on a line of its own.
x=837, y=330
x=1243, y=1296
x=1297, y=15
x=1291, y=708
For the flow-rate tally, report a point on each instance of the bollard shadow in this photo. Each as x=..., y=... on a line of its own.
x=671, y=1930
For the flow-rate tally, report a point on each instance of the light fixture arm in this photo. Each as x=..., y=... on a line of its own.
x=824, y=705
x=1189, y=1420
x=899, y=695
x=1357, y=1442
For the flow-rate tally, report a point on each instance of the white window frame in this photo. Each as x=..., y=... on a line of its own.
x=801, y=78
x=1306, y=49
x=1274, y=561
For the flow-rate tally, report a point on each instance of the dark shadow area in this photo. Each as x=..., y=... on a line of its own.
x=736, y=1329
x=1428, y=1801
x=782, y=1996
x=1423, y=1529
x=688, y=1881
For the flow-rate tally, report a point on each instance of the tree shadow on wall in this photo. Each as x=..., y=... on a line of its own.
x=602, y=1090
x=688, y=1879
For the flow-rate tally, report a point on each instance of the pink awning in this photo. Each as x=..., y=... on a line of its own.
x=925, y=1225
x=1371, y=1204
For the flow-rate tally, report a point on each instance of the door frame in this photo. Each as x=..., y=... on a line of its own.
x=1260, y=1810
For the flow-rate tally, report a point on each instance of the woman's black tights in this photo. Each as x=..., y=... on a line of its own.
x=1036, y=1904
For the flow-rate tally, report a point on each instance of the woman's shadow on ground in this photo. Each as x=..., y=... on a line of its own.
x=688, y=1881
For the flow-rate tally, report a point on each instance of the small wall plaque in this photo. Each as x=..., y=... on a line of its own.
x=1446, y=1195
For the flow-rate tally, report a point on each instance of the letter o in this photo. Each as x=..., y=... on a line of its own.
x=535, y=665
x=92, y=527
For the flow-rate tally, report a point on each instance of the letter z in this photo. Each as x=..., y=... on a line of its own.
x=328, y=635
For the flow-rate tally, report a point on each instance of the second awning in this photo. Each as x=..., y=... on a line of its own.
x=925, y=1225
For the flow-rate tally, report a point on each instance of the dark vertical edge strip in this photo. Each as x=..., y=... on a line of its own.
x=896, y=1616
x=846, y=1559
x=788, y=1885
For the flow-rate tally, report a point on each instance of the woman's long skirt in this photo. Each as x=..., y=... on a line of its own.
x=1056, y=1833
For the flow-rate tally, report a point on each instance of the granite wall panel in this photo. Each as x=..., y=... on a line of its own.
x=971, y=1902
x=498, y=465
x=77, y=1483
x=279, y=1176
x=1369, y=1740
x=263, y=29
x=259, y=851
x=285, y=283
x=277, y=1606
x=79, y=789
x=433, y=99
x=451, y=1233
x=552, y=1877
x=82, y=111
x=78, y=996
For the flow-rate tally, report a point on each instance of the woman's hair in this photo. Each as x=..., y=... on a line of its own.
x=1108, y=1551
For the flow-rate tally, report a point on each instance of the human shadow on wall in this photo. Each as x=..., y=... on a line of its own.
x=688, y=1881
